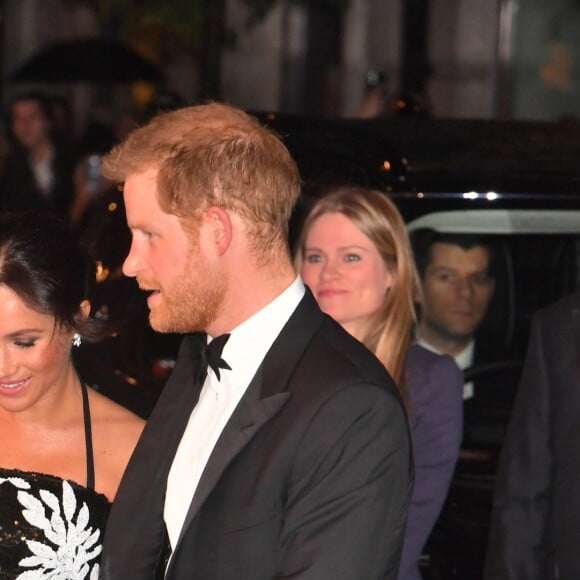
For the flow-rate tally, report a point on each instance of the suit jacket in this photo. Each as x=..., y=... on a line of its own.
x=310, y=478
x=487, y=412
x=435, y=387
x=20, y=192
x=535, y=532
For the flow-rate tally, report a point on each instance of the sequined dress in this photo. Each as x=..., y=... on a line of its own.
x=51, y=527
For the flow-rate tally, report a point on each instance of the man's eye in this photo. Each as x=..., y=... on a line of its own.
x=481, y=280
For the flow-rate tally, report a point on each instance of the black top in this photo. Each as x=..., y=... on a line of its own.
x=51, y=526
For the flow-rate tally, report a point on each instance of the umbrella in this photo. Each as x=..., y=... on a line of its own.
x=95, y=60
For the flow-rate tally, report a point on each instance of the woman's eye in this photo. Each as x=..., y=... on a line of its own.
x=313, y=258
x=25, y=343
x=351, y=258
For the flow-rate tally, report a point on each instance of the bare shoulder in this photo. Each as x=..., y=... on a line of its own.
x=115, y=432
x=116, y=420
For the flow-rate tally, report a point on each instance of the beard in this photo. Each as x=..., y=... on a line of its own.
x=192, y=302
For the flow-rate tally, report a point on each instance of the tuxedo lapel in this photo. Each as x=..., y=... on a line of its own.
x=264, y=398
x=136, y=523
x=247, y=419
x=288, y=348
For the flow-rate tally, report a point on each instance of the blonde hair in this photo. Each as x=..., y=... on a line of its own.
x=214, y=154
x=388, y=331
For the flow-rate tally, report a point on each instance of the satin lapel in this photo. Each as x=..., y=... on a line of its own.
x=263, y=399
x=247, y=419
x=137, y=516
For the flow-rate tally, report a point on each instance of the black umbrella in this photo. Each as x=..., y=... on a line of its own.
x=94, y=60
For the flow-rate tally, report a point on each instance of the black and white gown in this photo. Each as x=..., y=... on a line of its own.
x=51, y=528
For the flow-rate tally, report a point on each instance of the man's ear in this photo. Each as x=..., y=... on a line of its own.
x=221, y=228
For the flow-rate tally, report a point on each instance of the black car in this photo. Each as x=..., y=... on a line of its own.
x=518, y=182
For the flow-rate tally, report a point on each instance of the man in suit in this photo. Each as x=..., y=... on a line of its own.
x=290, y=457
x=457, y=278
x=535, y=532
x=461, y=282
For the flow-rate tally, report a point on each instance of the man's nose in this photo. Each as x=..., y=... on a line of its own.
x=131, y=263
x=464, y=287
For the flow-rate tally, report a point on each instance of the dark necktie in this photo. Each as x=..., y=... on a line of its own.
x=211, y=356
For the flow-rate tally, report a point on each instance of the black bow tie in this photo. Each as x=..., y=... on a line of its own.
x=211, y=355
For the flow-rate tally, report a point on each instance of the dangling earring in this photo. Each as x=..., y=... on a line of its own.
x=76, y=339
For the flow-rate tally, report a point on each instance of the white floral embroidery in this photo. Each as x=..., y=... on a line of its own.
x=75, y=543
x=17, y=482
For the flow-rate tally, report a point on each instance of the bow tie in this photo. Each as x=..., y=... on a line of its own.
x=211, y=355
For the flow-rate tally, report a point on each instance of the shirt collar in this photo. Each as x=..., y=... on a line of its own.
x=250, y=341
x=464, y=359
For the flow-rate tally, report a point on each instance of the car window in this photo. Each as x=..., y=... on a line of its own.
x=536, y=262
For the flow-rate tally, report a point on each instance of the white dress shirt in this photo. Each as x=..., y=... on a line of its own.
x=43, y=173
x=244, y=352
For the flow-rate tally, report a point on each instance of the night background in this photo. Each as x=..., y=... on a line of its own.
x=460, y=59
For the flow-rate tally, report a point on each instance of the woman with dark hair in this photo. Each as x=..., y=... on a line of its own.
x=65, y=446
x=355, y=255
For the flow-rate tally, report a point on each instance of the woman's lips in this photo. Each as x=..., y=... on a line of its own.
x=330, y=292
x=12, y=386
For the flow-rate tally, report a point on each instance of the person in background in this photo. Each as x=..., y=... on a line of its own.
x=377, y=103
x=65, y=446
x=535, y=529
x=354, y=254
x=279, y=447
x=62, y=125
x=458, y=282
x=37, y=172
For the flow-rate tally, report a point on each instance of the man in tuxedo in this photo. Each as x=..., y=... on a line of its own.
x=289, y=456
x=535, y=532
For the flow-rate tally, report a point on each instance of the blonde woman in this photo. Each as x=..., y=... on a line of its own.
x=354, y=254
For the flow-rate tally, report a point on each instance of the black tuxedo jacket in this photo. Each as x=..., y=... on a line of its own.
x=310, y=478
x=535, y=532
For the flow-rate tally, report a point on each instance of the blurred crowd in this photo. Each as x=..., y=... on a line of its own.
x=47, y=164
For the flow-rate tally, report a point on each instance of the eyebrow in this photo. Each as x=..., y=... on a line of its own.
x=342, y=248
x=453, y=269
x=23, y=331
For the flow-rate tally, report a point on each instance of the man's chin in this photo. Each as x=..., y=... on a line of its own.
x=460, y=335
x=167, y=325
x=161, y=323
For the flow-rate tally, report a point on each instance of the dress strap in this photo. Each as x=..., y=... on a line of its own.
x=88, y=438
